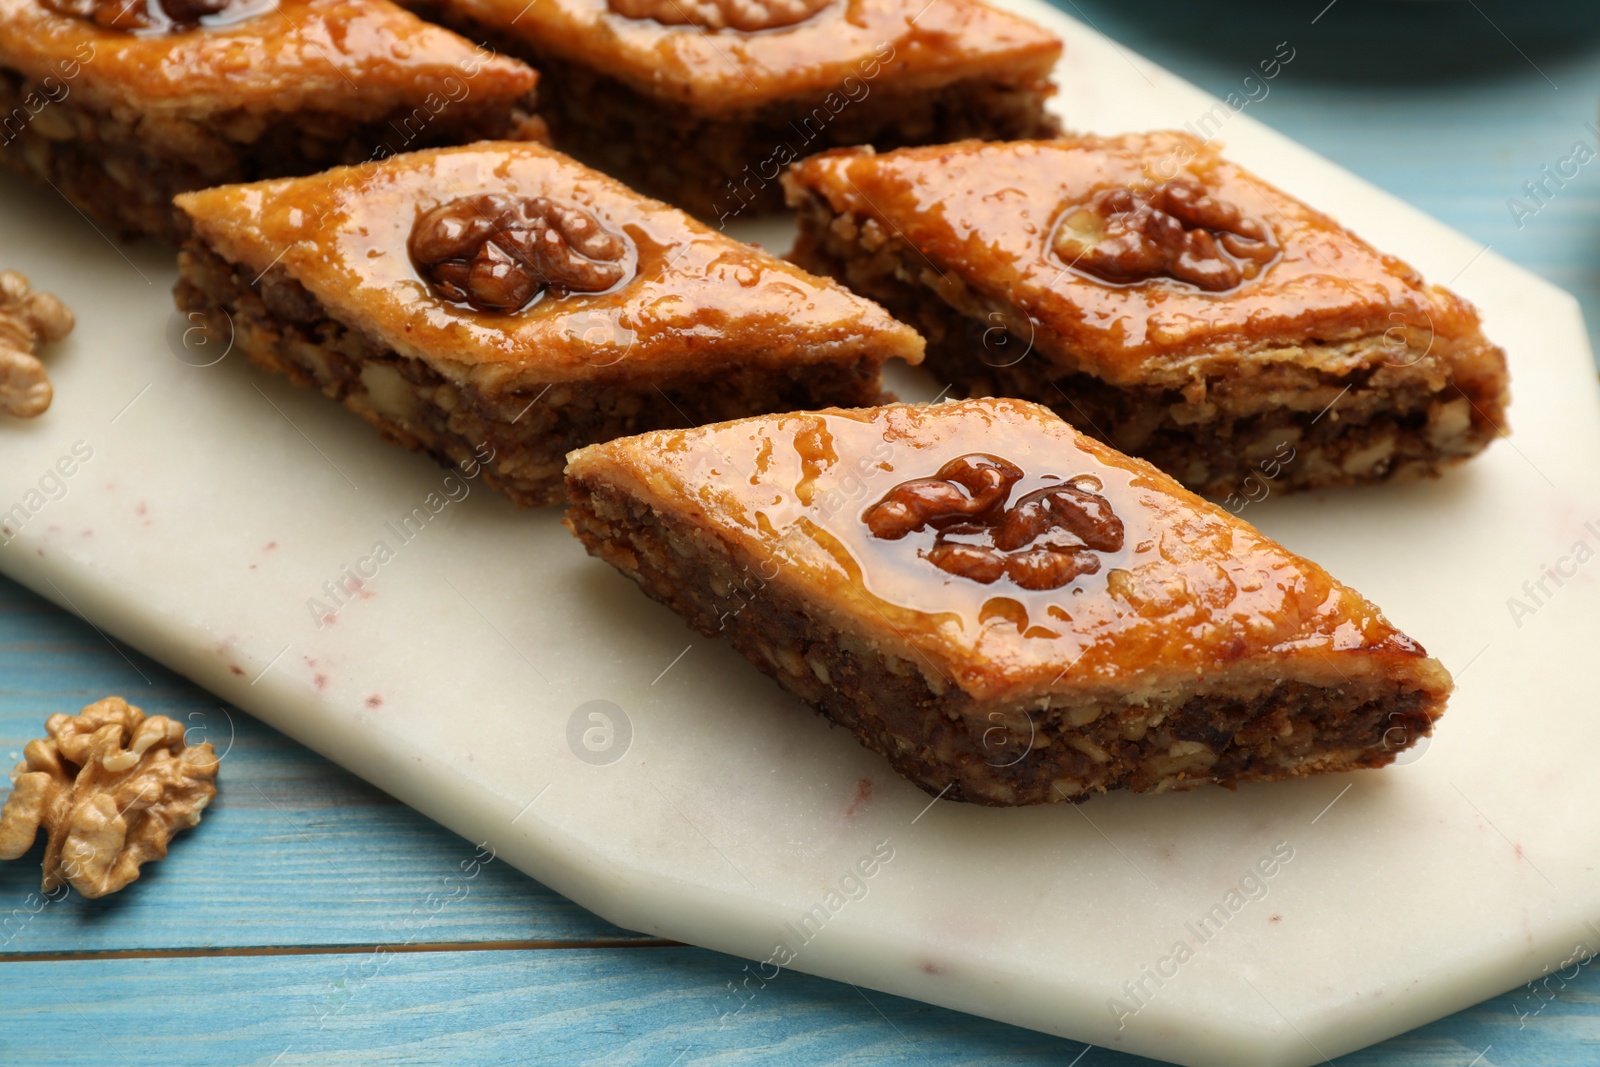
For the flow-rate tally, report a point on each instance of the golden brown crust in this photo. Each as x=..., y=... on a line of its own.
x=364, y=56
x=848, y=43
x=693, y=299
x=119, y=122
x=1326, y=287
x=517, y=441
x=1223, y=729
x=1192, y=593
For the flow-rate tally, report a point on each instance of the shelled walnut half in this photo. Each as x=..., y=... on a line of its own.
x=1174, y=230
x=109, y=787
x=1044, y=540
x=27, y=320
x=497, y=252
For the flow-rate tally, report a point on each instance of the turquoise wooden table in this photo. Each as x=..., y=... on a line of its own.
x=313, y=920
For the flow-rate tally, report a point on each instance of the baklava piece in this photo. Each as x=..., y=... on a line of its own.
x=1008, y=611
x=703, y=102
x=1164, y=300
x=499, y=305
x=121, y=104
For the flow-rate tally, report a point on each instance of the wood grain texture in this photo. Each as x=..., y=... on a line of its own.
x=293, y=852
x=1452, y=106
x=663, y=1006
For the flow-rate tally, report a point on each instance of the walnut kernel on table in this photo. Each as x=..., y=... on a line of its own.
x=110, y=787
x=27, y=320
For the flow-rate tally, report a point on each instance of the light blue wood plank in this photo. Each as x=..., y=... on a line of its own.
x=294, y=851
x=660, y=1006
x=1426, y=100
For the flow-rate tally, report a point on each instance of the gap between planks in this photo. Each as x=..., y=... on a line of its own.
x=327, y=950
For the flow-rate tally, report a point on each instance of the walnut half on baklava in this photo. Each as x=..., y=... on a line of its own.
x=1166, y=301
x=500, y=304
x=121, y=104
x=1008, y=611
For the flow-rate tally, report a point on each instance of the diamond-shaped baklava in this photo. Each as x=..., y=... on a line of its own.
x=498, y=305
x=1008, y=611
x=1164, y=300
x=703, y=102
x=120, y=104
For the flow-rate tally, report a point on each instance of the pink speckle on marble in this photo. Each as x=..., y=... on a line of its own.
x=862, y=797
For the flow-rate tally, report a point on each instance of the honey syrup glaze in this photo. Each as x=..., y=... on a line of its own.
x=257, y=57
x=685, y=294
x=830, y=498
x=1024, y=224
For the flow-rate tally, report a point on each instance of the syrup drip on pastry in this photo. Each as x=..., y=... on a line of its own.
x=147, y=17
x=746, y=15
x=1046, y=539
x=498, y=252
x=1174, y=230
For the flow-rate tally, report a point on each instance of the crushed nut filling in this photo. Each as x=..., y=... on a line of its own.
x=149, y=15
x=110, y=788
x=1043, y=541
x=746, y=15
x=1175, y=230
x=497, y=252
x=27, y=320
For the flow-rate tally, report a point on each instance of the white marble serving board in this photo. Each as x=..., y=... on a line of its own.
x=218, y=501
